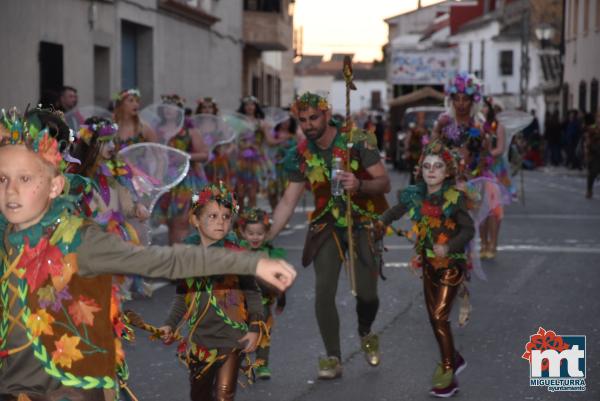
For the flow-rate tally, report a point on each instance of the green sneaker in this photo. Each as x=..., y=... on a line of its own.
x=263, y=372
x=442, y=378
x=330, y=368
x=370, y=346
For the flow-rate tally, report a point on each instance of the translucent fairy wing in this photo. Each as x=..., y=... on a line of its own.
x=165, y=119
x=241, y=125
x=513, y=121
x=76, y=117
x=156, y=169
x=213, y=129
x=275, y=116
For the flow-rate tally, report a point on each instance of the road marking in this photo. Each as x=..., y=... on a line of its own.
x=553, y=216
x=502, y=248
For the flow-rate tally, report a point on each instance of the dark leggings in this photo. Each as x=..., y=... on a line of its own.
x=327, y=271
x=219, y=382
x=593, y=172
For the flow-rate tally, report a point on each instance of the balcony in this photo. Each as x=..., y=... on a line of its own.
x=267, y=28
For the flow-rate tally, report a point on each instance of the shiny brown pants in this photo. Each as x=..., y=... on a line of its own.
x=440, y=288
x=219, y=382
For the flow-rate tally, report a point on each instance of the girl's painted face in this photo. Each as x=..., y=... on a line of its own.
x=107, y=150
x=433, y=170
x=207, y=108
x=170, y=113
x=249, y=108
x=213, y=223
x=255, y=234
x=131, y=105
x=462, y=104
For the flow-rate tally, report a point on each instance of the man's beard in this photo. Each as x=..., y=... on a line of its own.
x=315, y=135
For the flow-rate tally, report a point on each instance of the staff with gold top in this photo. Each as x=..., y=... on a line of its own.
x=340, y=223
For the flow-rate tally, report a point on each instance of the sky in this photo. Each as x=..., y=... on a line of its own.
x=348, y=26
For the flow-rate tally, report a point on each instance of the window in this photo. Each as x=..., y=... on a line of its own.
x=565, y=100
x=269, y=6
x=575, y=19
x=375, y=100
x=482, y=67
x=586, y=16
x=506, y=62
x=51, y=72
x=594, y=96
x=597, y=15
x=582, y=96
x=470, y=57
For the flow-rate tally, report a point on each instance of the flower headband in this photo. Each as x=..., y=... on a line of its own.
x=16, y=130
x=127, y=92
x=215, y=193
x=254, y=216
x=307, y=100
x=173, y=99
x=465, y=83
x=104, y=130
x=250, y=99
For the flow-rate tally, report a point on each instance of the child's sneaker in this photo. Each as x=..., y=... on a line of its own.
x=263, y=372
x=444, y=384
x=330, y=368
x=445, y=392
x=459, y=363
x=370, y=346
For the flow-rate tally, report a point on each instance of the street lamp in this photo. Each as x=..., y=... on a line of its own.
x=544, y=32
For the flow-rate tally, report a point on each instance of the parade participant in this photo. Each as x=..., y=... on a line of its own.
x=326, y=243
x=224, y=313
x=131, y=128
x=219, y=166
x=284, y=135
x=253, y=225
x=111, y=202
x=592, y=154
x=58, y=338
x=207, y=105
x=443, y=228
x=413, y=144
x=490, y=227
x=173, y=207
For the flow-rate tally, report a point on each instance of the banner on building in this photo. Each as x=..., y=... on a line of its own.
x=424, y=67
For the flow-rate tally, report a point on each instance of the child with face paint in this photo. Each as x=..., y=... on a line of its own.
x=60, y=332
x=224, y=314
x=253, y=225
x=442, y=230
x=111, y=202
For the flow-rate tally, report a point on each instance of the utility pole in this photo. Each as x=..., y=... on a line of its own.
x=524, y=78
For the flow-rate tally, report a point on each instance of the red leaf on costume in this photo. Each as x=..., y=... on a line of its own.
x=39, y=262
x=302, y=146
x=427, y=209
x=321, y=202
x=82, y=311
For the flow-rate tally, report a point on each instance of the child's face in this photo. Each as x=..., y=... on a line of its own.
x=107, y=150
x=27, y=186
x=213, y=223
x=433, y=170
x=254, y=234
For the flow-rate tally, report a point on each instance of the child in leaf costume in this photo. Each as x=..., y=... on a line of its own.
x=253, y=225
x=224, y=314
x=442, y=229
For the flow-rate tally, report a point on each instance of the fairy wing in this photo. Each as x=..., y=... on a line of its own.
x=165, y=119
x=76, y=117
x=241, y=125
x=275, y=116
x=213, y=129
x=513, y=121
x=156, y=169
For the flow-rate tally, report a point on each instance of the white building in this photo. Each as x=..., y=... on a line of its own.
x=370, y=93
x=582, y=55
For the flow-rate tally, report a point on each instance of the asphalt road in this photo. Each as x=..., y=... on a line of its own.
x=546, y=275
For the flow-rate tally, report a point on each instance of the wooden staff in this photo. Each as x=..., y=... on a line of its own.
x=348, y=78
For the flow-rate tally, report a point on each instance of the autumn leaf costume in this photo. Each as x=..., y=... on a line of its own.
x=60, y=332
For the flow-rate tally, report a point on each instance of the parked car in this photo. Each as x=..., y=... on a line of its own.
x=408, y=120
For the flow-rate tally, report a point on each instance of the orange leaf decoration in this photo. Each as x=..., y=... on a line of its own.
x=442, y=239
x=69, y=268
x=82, y=311
x=449, y=224
x=66, y=351
x=435, y=222
x=40, y=322
x=48, y=149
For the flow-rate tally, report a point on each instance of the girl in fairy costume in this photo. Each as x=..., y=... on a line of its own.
x=219, y=167
x=173, y=207
x=442, y=229
x=253, y=226
x=131, y=128
x=224, y=314
x=490, y=227
x=113, y=201
x=253, y=167
x=284, y=136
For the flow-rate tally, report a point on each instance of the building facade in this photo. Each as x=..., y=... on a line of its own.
x=581, y=55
